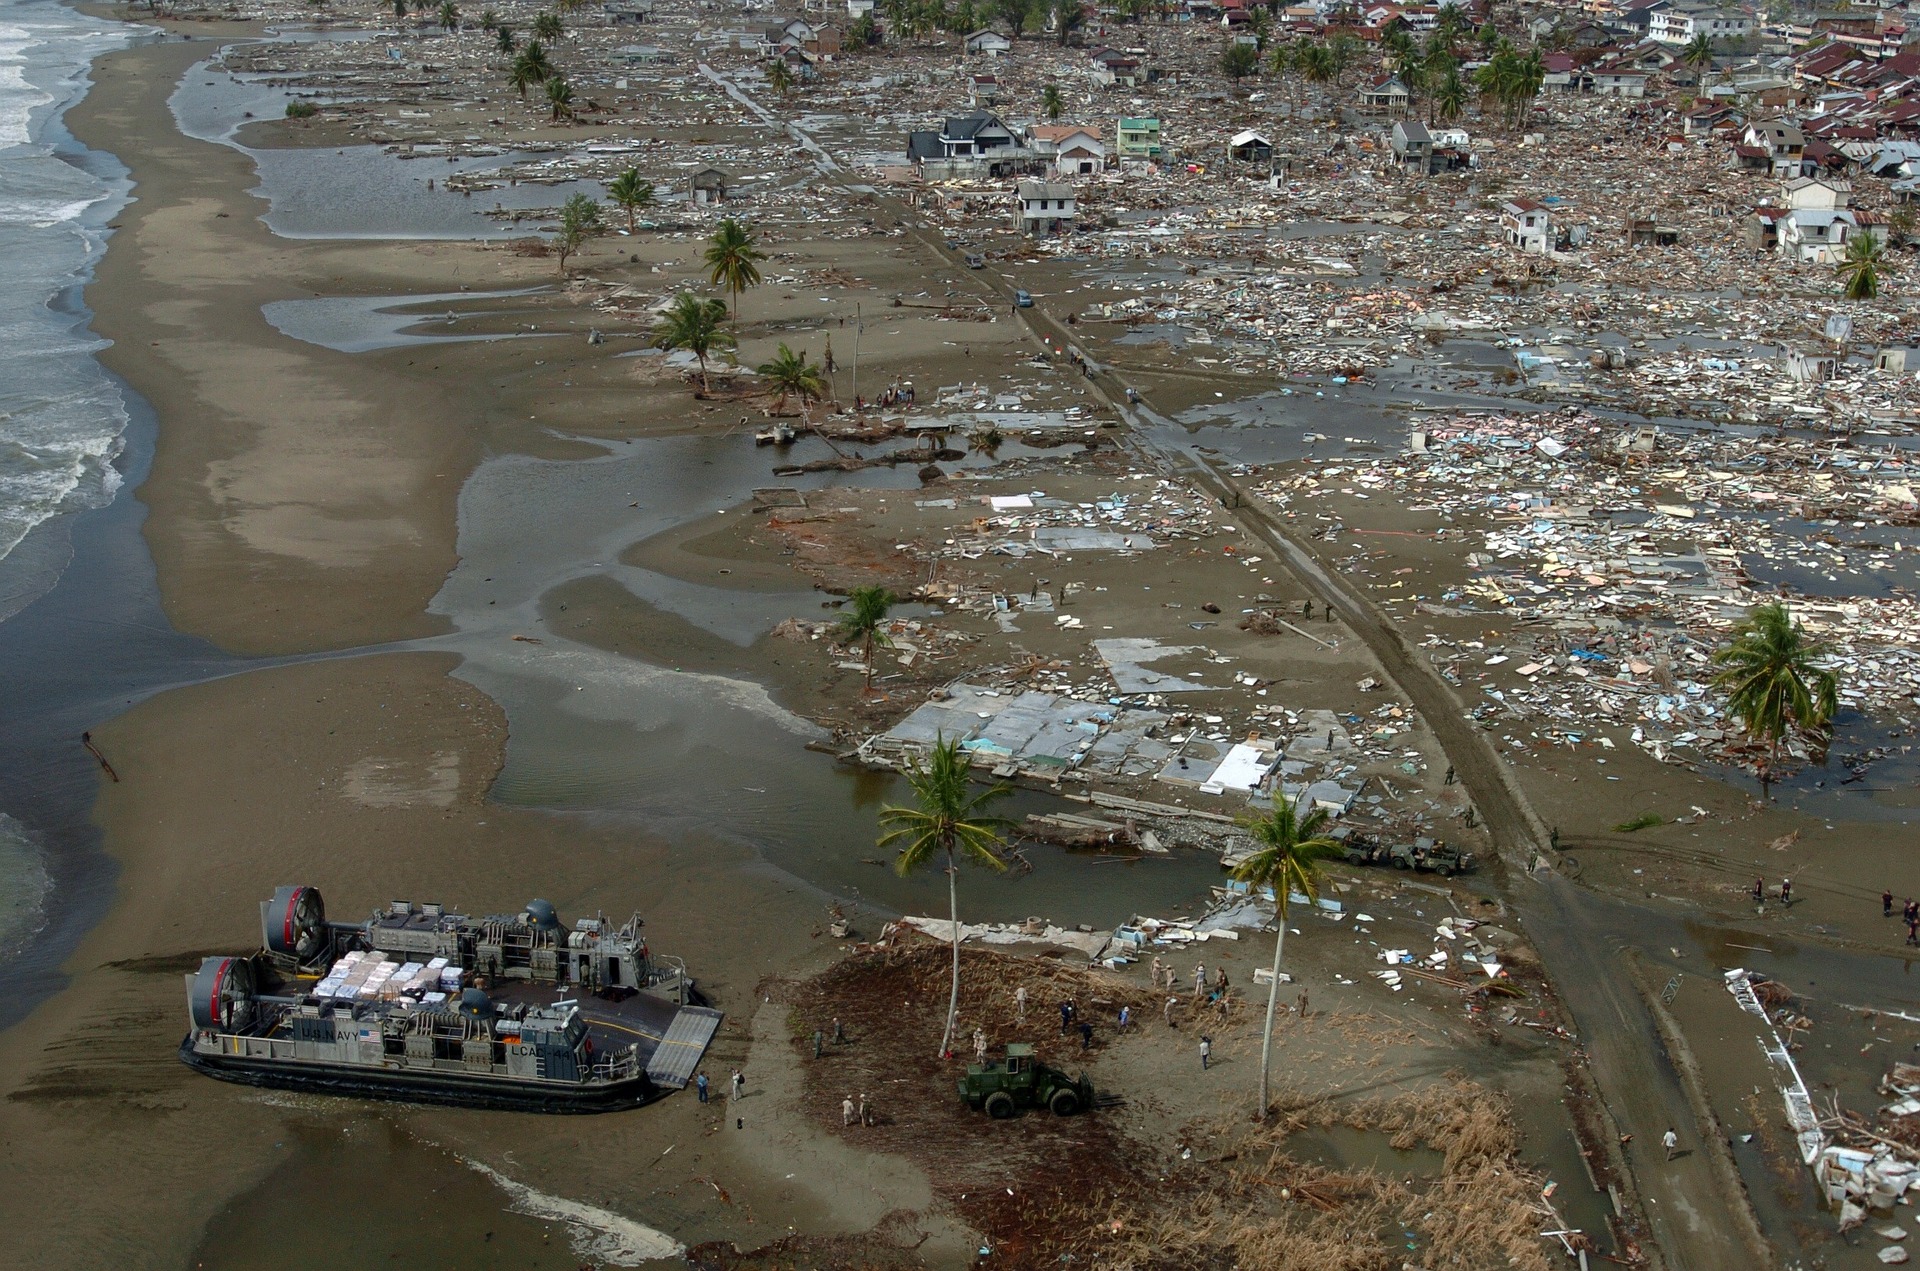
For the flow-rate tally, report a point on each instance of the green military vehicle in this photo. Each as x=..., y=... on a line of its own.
x=1021, y=1081
x=1423, y=854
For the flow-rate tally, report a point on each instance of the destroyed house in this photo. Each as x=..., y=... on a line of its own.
x=628, y=12
x=1647, y=231
x=709, y=185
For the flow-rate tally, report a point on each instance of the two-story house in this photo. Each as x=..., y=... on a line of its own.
x=1043, y=207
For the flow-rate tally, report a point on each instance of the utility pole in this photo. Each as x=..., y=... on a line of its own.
x=856, y=354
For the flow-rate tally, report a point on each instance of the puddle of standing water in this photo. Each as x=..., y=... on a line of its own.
x=362, y=324
x=1342, y=1147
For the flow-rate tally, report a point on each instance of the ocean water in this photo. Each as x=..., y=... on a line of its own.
x=61, y=415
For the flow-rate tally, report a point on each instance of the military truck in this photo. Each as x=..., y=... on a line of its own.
x=1021, y=1081
x=1424, y=854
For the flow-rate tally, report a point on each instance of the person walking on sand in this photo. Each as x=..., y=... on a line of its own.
x=1886, y=904
x=1156, y=970
x=1220, y=980
x=739, y=1085
x=839, y=1033
x=1086, y=1035
x=980, y=1044
x=1066, y=1017
x=1913, y=931
x=1760, y=892
x=846, y=1111
x=1199, y=979
x=865, y=1114
x=1020, y=1003
x=1171, y=1003
x=1786, y=893
x=1671, y=1142
x=700, y=1084
x=1126, y=1018
x=1206, y=1051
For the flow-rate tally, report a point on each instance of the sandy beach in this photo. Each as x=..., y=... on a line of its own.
x=343, y=523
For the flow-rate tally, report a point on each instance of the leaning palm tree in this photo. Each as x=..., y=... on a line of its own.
x=789, y=374
x=629, y=193
x=1860, y=264
x=733, y=261
x=866, y=622
x=1774, y=683
x=559, y=97
x=1287, y=855
x=695, y=325
x=949, y=822
x=524, y=74
x=1052, y=102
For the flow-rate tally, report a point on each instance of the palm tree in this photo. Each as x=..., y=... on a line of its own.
x=449, y=16
x=1450, y=98
x=560, y=97
x=1052, y=102
x=549, y=27
x=695, y=325
x=732, y=261
x=1280, y=60
x=1317, y=64
x=1397, y=46
x=503, y=39
x=1698, y=55
x=1860, y=266
x=866, y=622
x=399, y=8
x=949, y=822
x=1287, y=858
x=489, y=20
x=629, y=193
x=536, y=57
x=525, y=72
x=579, y=217
x=791, y=375
x=1259, y=26
x=1773, y=683
x=779, y=78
